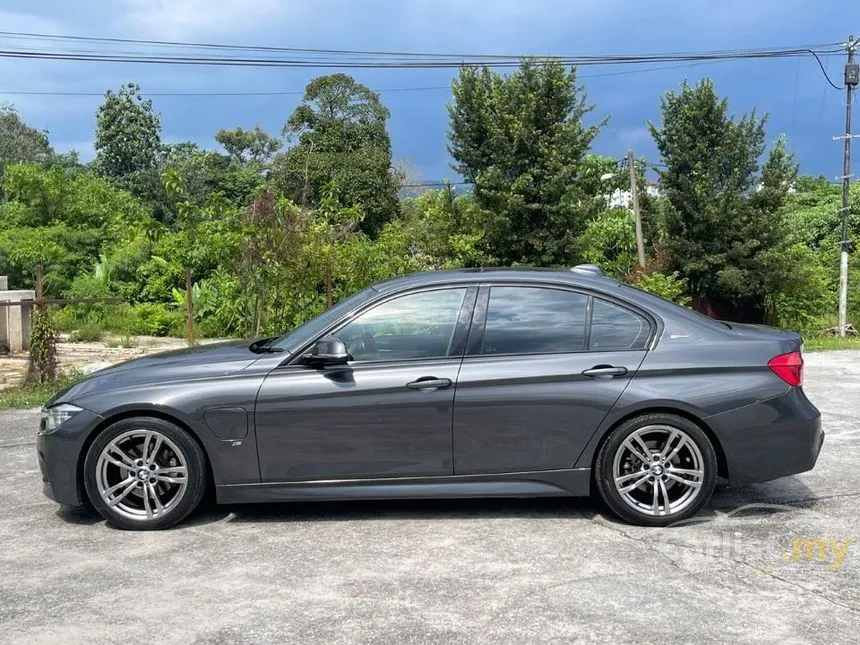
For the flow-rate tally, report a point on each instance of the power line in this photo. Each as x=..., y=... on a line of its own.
x=217, y=61
x=334, y=58
x=301, y=93
x=824, y=71
x=354, y=52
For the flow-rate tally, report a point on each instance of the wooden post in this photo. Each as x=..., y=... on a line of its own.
x=39, y=285
x=189, y=309
x=328, y=288
x=634, y=196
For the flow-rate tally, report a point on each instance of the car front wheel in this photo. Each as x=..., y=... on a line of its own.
x=656, y=470
x=144, y=473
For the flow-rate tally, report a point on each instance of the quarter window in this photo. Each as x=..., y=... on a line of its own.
x=418, y=325
x=614, y=327
x=528, y=320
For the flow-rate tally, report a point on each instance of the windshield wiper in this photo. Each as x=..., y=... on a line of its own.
x=262, y=346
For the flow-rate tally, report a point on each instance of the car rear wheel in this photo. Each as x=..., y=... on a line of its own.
x=656, y=469
x=144, y=473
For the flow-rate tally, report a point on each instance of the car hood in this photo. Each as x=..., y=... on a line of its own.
x=181, y=364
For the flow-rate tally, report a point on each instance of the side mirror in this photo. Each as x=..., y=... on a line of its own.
x=327, y=351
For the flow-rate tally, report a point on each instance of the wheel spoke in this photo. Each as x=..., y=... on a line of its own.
x=170, y=480
x=666, y=503
x=144, y=453
x=125, y=482
x=115, y=449
x=116, y=500
x=655, y=502
x=146, y=505
x=685, y=471
x=171, y=469
x=150, y=456
x=118, y=464
x=667, y=447
x=629, y=487
x=674, y=453
x=159, y=507
x=636, y=452
x=623, y=478
x=687, y=482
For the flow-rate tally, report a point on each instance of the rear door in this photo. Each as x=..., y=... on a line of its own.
x=544, y=366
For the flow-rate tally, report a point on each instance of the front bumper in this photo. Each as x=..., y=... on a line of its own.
x=59, y=457
x=770, y=439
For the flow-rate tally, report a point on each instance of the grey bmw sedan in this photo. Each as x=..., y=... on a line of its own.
x=470, y=383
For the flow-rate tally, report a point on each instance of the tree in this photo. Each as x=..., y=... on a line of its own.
x=341, y=137
x=128, y=133
x=248, y=145
x=19, y=143
x=521, y=140
x=724, y=218
x=61, y=218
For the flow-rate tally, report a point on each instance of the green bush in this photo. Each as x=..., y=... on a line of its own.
x=671, y=286
x=42, y=363
x=87, y=333
x=802, y=295
x=153, y=319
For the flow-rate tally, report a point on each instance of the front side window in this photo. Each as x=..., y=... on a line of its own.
x=418, y=325
x=529, y=320
x=614, y=327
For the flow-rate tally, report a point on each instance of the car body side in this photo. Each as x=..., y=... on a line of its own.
x=715, y=375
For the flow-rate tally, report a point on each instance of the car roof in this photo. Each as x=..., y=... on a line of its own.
x=527, y=275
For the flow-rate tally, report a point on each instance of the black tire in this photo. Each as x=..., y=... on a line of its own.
x=623, y=506
x=173, y=439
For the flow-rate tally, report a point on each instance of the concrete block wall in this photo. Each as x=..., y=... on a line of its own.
x=15, y=321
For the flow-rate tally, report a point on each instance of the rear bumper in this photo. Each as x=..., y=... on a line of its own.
x=59, y=455
x=774, y=438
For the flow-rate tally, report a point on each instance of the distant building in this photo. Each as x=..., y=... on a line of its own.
x=623, y=199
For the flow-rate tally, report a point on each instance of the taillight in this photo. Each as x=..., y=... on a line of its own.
x=788, y=367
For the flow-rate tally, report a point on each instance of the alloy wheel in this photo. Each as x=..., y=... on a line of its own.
x=658, y=470
x=141, y=474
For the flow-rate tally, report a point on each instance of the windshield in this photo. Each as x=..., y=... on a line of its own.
x=298, y=337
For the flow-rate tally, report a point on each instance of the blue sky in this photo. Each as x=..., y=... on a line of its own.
x=793, y=91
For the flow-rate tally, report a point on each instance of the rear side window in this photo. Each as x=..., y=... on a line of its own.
x=530, y=320
x=614, y=327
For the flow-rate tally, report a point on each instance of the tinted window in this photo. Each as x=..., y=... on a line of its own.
x=614, y=327
x=303, y=334
x=523, y=320
x=420, y=325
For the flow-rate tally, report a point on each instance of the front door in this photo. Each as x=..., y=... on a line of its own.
x=544, y=367
x=387, y=413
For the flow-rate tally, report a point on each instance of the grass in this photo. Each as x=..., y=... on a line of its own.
x=126, y=342
x=820, y=343
x=88, y=333
x=33, y=395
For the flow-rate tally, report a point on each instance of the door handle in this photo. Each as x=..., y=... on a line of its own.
x=429, y=383
x=609, y=371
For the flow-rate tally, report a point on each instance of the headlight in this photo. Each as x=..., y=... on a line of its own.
x=54, y=416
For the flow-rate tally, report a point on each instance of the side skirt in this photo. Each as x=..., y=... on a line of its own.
x=547, y=483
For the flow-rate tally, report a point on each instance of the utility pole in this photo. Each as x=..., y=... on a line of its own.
x=634, y=197
x=851, y=79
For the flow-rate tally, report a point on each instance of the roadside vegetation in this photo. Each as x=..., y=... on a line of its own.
x=34, y=395
x=276, y=226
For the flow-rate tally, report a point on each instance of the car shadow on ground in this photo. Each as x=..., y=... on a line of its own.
x=780, y=496
x=770, y=498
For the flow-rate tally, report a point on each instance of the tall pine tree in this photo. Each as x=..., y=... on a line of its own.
x=521, y=140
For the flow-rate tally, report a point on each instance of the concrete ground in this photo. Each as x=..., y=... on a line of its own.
x=448, y=571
